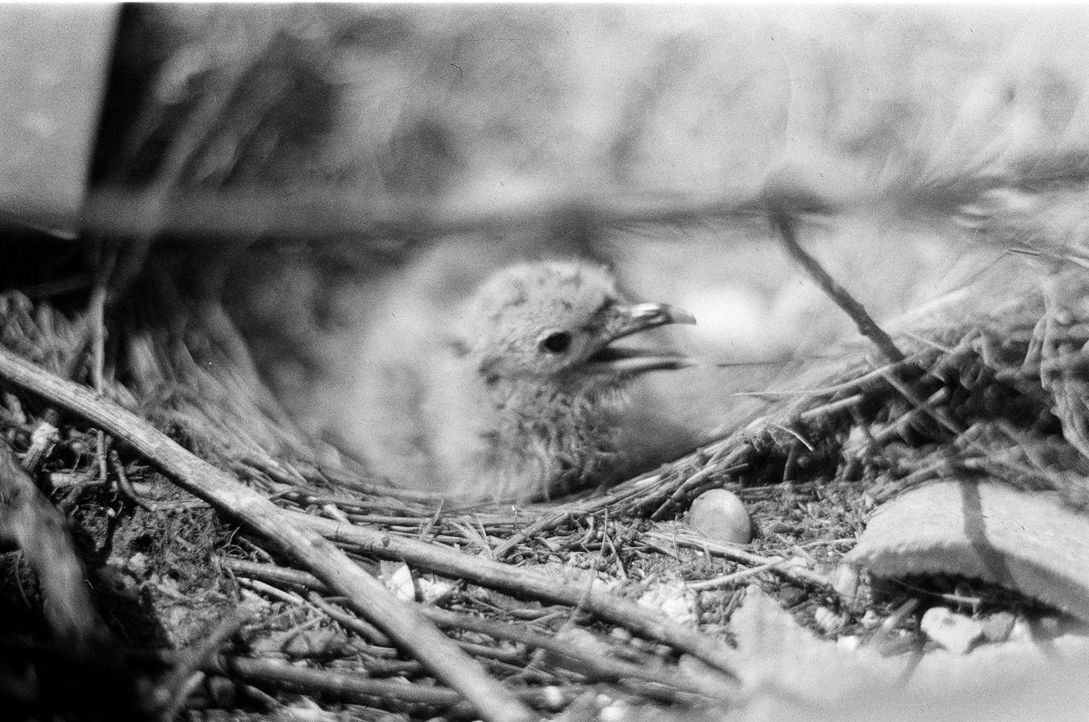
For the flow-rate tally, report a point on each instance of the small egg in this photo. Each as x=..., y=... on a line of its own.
x=720, y=515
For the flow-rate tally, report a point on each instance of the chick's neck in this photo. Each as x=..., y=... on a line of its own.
x=566, y=427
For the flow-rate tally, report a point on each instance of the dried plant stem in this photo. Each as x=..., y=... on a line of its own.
x=179, y=684
x=349, y=686
x=596, y=666
x=732, y=552
x=365, y=594
x=523, y=582
x=538, y=527
x=866, y=325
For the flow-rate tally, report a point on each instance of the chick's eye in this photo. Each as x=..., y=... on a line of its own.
x=556, y=342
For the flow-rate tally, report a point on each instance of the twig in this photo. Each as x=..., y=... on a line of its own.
x=730, y=579
x=891, y=622
x=123, y=483
x=326, y=476
x=357, y=625
x=350, y=686
x=538, y=527
x=865, y=323
x=523, y=582
x=365, y=594
x=596, y=666
x=923, y=404
x=792, y=572
x=180, y=683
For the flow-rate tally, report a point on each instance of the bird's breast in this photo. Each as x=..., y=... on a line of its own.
x=522, y=441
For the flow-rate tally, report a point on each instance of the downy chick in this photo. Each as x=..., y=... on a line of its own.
x=524, y=396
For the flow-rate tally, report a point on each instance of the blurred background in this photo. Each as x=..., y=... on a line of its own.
x=321, y=168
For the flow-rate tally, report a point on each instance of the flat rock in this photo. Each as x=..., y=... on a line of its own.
x=1026, y=542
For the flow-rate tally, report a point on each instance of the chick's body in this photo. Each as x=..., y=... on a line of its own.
x=519, y=395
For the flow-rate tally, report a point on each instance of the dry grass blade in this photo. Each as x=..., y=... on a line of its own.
x=590, y=663
x=355, y=687
x=866, y=325
x=596, y=666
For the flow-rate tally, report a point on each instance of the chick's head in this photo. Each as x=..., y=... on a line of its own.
x=556, y=323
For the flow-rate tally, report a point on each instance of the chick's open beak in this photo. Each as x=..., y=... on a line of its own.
x=628, y=320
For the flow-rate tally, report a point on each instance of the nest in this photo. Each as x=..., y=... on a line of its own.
x=602, y=599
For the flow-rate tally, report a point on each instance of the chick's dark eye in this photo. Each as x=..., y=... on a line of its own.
x=556, y=342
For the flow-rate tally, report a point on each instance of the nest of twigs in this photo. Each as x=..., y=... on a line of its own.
x=602, y=600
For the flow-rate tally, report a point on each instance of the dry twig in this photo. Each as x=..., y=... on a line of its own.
x=596, y=666
x=866, y=325
x=523, y=582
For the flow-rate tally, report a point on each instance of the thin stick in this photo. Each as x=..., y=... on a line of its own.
x=365, y=593
x=538, y=527
x=523, y=582
x=177, y=686
x=597, y=666
x=731, y=579
x=349, y=686
x=734, y=553
x=866, y=325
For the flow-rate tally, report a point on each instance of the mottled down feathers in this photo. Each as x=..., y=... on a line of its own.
x=517, y=392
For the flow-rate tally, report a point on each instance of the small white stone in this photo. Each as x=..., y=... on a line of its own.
x=845, y=581
x=614, y=712
x=719, y=514
x=553, y=696
x=997, y=626
x=673, y=599
x=870, y=619
x=955, y=632
x=849, y=644
x=829, y=622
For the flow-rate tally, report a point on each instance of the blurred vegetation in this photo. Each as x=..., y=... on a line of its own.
x=488, y=104
x=433, y=99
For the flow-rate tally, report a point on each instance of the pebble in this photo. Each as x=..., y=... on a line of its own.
x=720, y=515
x=955, y=632
x=829, y=622
x=997, y=627
x=790, y=595
x=849, y=643
x=845, y=581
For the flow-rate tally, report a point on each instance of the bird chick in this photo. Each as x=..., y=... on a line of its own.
x=523, y=397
